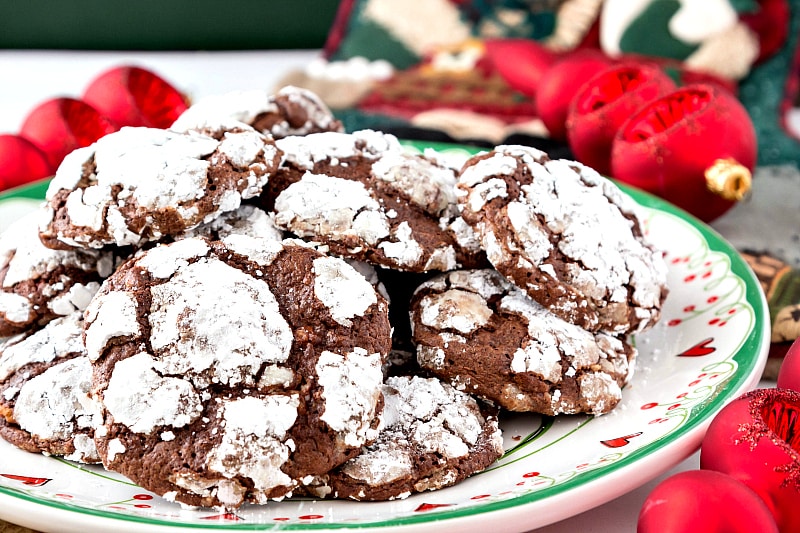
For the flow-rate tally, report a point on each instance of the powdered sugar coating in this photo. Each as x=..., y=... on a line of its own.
x=549, y=354
x=254, y=445
x=199, y=294
x=351, y=386
x=60, y=337
x=39, y=284
x=45, y=386
x=108, y=317
x=52, y=404
x=432, y=436
x=231, y=361
x=304, y=152
x=247, y=220
x=425, y=183
x=290, y=111
x=325, y=205
x=567, y=236
x=367, y=199
x=140, y=184
x=343, y=290
x=142, y=399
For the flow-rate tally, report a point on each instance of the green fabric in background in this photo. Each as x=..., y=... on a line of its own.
x=165, y=24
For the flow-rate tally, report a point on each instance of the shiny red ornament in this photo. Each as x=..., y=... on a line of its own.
x=707, y=501
x=704, y=500
x=789, y=374
x=133, y=96
x=695, y=147
x=21, y=162
x=520, y=62
x=756, y=439
x=603, y=104
x=559, y=84
x=60, y=125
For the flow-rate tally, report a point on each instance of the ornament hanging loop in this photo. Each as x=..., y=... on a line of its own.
x=729, y=179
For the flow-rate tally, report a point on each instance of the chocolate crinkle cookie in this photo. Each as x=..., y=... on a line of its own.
x=45, y=386
x=434, y=436
x=481, y=333
x=290, y=111
x=139, y=185
x=362, y=196
x=248, y=220
x=229, y=372
x=565, y=235
x=39, y=284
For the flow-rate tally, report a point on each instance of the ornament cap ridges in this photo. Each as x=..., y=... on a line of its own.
x=729, y=179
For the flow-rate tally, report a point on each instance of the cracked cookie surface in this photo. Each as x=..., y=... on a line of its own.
x=567, y=236
x=229, y=370
x=484, y=335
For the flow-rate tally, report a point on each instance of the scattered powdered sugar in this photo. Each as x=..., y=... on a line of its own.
x=305, y=151
x=464, y=234
x=163, y=261
x=26, y=258
x=425, y=183
x=151, y=169
x=436, y=417
x=550, y=339
x=456, y=309
x=109, y=315
x=192, y=316
x=421, y=414
x=343, y=290
x=405, y=250
x=382, y=463
x=325, y=205
x=599, y=389
x=15, y=308
x=262, y=251
x=143, y=400
x=58, y=338
x=572, y=207
x=76, y=298
x=247, y=220
x=242, y=148
x=254, y=442
x=238, y=106
x=498, y=164
x=85, y=449
x=536, y=245
x=430, y=356
x=484, y=192
x=50, y=405
x=115, y=447
x=351, y=389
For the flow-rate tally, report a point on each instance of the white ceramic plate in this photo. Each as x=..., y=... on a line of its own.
x=710, y=346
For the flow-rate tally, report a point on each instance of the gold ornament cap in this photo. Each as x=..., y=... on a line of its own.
x=729, y=179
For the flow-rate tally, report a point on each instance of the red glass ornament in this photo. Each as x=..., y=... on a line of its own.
x=707, y=501
x=60, y=125
x=756, y=439
x=695, y=147
x=133, y=96
x=559, y=84
x=521, y=62
x=789, y=374
x=604, y=103
x=21, y=162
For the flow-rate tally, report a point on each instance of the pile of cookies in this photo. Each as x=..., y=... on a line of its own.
x=255, y=304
